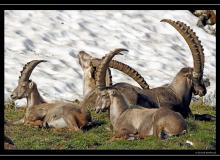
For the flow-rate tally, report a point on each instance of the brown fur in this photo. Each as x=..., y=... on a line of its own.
x=89, y=73
x=40, y=113
x=142, y=122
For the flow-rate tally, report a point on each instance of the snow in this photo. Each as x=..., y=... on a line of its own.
x=156, y=49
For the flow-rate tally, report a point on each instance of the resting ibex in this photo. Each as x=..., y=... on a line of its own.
x=41, y=113
x=177, y=95
x=89, y=65
x=142, y=122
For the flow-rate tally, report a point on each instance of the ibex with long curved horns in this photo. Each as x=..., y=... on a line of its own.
x=89, y=65
x=137, y=121
x=177, y=95
x=41, y=113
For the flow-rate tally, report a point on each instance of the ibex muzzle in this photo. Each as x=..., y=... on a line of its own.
x=199, y=87
x=21, y=91
x=102, y=102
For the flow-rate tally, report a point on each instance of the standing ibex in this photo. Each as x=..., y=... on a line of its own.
x=177, y=95
x=41, y=113
x=142, y=122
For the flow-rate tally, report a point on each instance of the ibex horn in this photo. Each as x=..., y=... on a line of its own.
x=194, y=44
x=101, y=71
x=28, y=68
x=125, y=69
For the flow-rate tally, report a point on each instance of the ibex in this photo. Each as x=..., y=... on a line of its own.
x=40, y=113
x=136, y=121
x=177, y=95
x=141, y=122
x=89, y=65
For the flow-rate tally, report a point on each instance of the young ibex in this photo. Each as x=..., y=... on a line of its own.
x=41, y=113
x=89, y=65
x=177, y=95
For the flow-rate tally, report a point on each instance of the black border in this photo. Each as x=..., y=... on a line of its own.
x=110, y=2
x=107, y=153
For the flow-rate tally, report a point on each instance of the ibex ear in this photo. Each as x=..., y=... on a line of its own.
x=31, y=84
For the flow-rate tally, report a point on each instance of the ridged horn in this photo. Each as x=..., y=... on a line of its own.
x=194, y=44
x=102, y=68
x=109, y=77
x=28, y=68
x=125, y=69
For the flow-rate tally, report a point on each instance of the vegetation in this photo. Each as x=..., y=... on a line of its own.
x=202, y=134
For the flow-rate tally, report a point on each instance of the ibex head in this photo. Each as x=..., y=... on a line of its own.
x=90, y=71
x=199, y=87
x=103, y=100
x=86, y=64
x=186, y=74
x=195, y=74
x=25, y=86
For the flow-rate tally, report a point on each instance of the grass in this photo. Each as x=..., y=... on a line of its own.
x=202, y=134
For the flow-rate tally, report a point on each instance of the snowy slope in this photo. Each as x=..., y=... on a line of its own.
x=156, y=49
